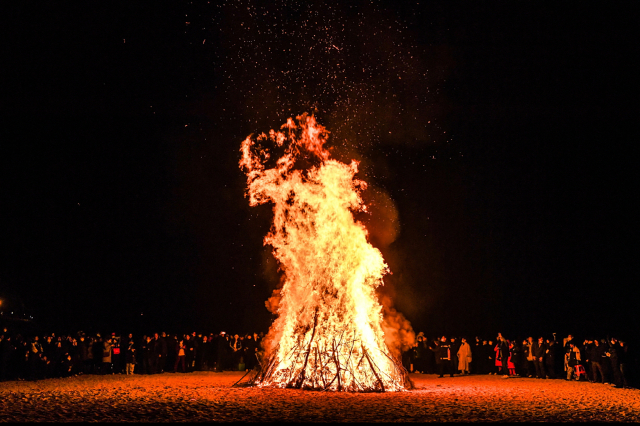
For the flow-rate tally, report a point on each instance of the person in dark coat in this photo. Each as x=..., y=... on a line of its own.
x=83, y=351
x=623, y=359
x=454, y=344
x=190, y=352
x=212, y=355
x=550, y=358
x=249, y=352
x=148, y=355
x=130, y=356
x=7, y=350
x=223, y=346
x=172, y=348
x=539, y=352
x=612, y=353
x=443, y=356
x=503, y=354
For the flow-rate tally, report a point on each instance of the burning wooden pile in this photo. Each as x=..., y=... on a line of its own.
x=328, y=333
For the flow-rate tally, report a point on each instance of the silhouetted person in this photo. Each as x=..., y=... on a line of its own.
x=550, y=358
x=612, y=353
x=180, y=356
x=539, y=352
x=443, y=356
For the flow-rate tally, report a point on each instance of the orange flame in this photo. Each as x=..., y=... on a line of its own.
x=328, y=333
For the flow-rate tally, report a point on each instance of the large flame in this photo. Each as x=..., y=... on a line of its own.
x=328, y=332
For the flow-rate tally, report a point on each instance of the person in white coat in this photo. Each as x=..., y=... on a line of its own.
x=464, y=356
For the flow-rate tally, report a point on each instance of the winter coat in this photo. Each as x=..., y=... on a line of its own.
x=106, y=352
x=464, y=357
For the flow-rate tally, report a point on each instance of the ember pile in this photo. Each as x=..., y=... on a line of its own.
x=328, y=333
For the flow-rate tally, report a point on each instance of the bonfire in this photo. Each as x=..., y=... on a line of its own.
x=328, y=333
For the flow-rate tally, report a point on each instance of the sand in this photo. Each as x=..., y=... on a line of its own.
x=207, y=396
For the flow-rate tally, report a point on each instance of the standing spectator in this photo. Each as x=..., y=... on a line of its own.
x=157, y=353
x=130, y=356
x=464, y=357
x=190, y=352
x=249, y=352
x=236, y=346
x=201, y=355
x=148, y=355
x=443, y=356
x=6, y=353
x=107, y=345
x=195, y=344
x=96, y=350
x=514, y=362
x=550, y=358
x=180, y=356
x=539, y=352
x=172, y=350
x=612, y=353
x=593, y=354
x=572, y=359
x=529, y=355
x=623, y=355
x=213, y=352
x=163, y=351
x=455, y=345
x=222, y=352
x=83, y=350
x=475, y=349
x=35, y=354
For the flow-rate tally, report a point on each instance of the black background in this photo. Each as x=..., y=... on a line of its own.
x=508, y=155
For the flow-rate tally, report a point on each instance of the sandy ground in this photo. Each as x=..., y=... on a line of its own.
x=206, y=396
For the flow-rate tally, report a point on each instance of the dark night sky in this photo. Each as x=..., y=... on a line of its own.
x=503, y=132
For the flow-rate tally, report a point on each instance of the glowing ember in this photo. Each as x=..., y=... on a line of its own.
x=328, y=333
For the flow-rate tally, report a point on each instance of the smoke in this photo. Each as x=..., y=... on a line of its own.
x=383, y=225
x=398, y=332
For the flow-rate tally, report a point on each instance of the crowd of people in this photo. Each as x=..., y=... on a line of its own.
x=605, y=361
x=48, y=356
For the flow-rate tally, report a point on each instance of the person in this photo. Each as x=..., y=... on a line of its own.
x=443, y=356
x=83, y=349
x=539, y=352
x=190, y=351
x=130, y=356
x=161, y=351
x=96, y=350
x=593, y=353
x=529, y=355
x=498, y=362
x=6, y=352
x=572, y=358
x=623, y=355
x=464, y=357
x=35, y=354
x=421, y=354
x=476, y=348
x=180, y=356
x=612, y=353
x=223, y=346
x=107, y=345
x=249, y=352
x=550, y=358
x=503, y=345
x=148, y=355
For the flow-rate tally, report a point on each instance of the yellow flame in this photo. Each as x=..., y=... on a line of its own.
x=328, y=332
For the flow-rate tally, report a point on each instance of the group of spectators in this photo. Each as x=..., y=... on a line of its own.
x=605, y=361
x=48, y=356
